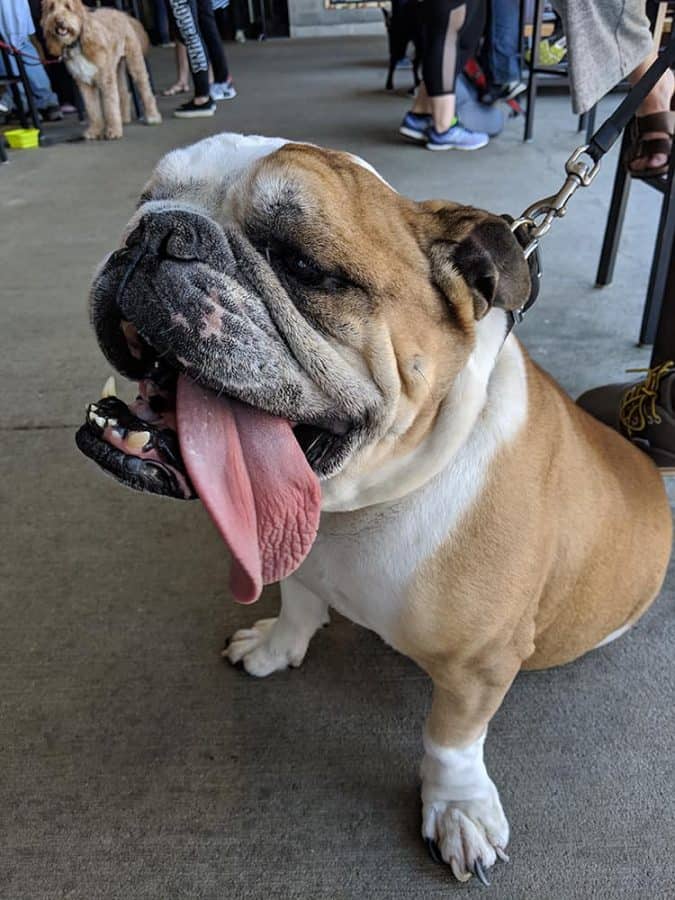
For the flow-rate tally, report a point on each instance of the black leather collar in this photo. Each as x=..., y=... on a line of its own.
x=515, y=316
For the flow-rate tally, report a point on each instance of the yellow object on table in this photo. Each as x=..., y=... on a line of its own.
x=22, y=138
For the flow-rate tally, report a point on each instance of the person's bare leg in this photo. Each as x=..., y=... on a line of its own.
x=182, y=83
x=658, y=100
x=443, y=111
x=441, y=108
x=422, y=104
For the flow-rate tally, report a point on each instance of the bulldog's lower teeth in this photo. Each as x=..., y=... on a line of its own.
x=138, y=439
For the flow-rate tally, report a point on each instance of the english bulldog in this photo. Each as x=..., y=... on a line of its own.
x=326, y=365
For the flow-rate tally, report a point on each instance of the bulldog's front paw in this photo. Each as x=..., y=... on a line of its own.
x=154, y=119
x=265, y=648
x=113, y=133
x=468, y=835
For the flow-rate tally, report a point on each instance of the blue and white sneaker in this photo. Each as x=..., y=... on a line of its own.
x=457, y=137
x=415, y=126
x=223, y=90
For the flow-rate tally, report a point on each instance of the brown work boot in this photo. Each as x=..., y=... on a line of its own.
x=642, y=411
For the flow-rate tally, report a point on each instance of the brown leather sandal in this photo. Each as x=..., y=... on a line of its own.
x=641, y=147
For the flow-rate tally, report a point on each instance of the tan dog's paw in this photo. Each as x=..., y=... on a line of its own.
x=92, y=134
x=113, y=133
x=265, y=648
x=468, y=835
x=154, y=120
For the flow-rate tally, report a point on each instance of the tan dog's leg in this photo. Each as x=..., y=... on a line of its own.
x=123, y=89
x=136, y=66
x=110, y=98
x=462, y=816
x=274, y=644
x=92, y=105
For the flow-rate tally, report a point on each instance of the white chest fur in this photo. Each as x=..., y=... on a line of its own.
x=80, y=67
x=362, y=562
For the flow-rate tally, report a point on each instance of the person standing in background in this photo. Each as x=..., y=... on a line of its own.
x=18, y=29
x=196, y=25
x=452, y=29
x=160, y=15
x=59, y=77
x=500, y=53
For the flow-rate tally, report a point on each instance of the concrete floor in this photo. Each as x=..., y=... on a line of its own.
x=133, y=763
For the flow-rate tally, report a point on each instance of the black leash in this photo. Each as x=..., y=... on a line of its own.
x=537, y=219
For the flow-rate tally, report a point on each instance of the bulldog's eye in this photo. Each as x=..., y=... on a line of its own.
x=302, y=269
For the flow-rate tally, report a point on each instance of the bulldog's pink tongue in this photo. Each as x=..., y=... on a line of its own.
x=254, y=480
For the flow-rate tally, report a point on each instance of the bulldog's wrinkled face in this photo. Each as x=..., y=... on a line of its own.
x=307, y=288
x=62, y=23
x=292, y=322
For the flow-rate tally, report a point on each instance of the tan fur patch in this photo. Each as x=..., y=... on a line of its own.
x=569, y=541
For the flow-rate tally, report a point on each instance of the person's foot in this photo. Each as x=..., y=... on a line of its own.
x=507, y=91
x=415, y=126
x=223, y=90
x=658, y=101
x=194, y=110
x=457, y=137
x=180, y=87
x=51, y=114
x=642, y=411
x=68, y=109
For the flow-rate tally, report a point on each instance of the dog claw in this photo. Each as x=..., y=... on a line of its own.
x=479, y=872
x=501, y=855
x=434, y=852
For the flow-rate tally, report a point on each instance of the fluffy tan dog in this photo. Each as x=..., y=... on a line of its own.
x=95, y=46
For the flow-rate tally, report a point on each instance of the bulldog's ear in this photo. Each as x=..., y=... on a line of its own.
x=489, y=259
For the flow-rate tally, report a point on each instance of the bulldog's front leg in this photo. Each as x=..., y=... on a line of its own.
x=463, y=821
x=274, y=644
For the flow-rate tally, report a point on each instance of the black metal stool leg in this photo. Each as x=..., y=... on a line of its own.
x=79, y=103
x=664, y=337
x=660, y=265
x=28, y=90
x=18, y=104
x=134, y=96
x=615, y=217
x=532, y=80
x=150, y=78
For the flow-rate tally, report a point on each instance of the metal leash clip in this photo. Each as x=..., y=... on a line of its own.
x=539, y=217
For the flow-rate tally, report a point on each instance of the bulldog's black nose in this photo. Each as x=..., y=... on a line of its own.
x=177, y=234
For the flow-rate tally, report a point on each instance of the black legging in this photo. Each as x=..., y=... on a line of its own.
x=196, y=25
x=452, y=29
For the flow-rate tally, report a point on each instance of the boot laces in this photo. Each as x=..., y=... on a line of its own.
x=638, y=404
